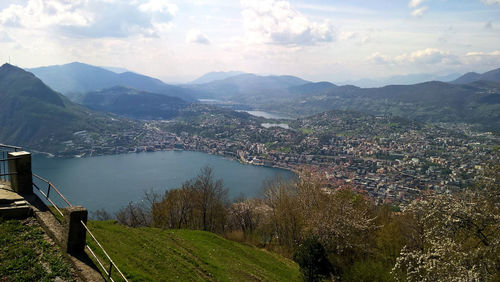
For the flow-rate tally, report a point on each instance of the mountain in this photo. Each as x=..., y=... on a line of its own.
x=476, y=103
x=400, y=80
x=216, y=75
x=33, y=115
x=247, y=87
x=312, y=88
x=76, y=78
x=133, y=103
x=493, y=75
x=467, y=78
x=115, y=69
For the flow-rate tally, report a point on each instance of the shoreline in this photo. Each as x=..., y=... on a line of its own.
x=232, y=158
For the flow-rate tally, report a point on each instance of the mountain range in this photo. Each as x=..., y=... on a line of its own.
x=493, y=75
x=408, y=79
x=476, y=103
x=215, y=75
x=246, y=86
x=74, y=79
x=33, y=115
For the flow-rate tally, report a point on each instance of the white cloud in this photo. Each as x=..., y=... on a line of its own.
x=359, y=37
x=419, y=12
x=159, y=6
x=5, y=38
x=415, y=3
x=429, y=56
x=483, y=58
x=380, y=59
x=195, y=36
x=99, y=18
x=491, y=2
x=276, y=22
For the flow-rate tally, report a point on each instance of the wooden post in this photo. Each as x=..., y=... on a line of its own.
x=74, y=232
x=21, y=179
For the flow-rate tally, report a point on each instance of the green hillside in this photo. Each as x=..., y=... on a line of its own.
x=133, y=103
x=33, y=115
x=151, y=254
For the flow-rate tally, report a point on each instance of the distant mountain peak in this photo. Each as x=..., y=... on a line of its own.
x=215, y=75
x=470, y=77
x=76, y=78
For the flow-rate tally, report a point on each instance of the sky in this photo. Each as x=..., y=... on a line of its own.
x=318, y=40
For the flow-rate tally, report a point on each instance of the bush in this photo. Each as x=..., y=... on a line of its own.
x=313, y=260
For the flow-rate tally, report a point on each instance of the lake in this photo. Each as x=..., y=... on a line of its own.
x=113, y=181
x=267, y=115
x=269, y=125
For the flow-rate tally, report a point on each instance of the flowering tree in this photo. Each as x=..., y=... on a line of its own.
x=456, y=236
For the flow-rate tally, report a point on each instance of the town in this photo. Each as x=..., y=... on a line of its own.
x=391, y=159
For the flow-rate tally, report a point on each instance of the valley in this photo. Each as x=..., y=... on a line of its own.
x=377, y=148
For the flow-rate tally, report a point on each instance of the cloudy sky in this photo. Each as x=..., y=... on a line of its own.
x=178, y=40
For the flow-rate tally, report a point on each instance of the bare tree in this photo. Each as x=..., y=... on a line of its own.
x=211, y=200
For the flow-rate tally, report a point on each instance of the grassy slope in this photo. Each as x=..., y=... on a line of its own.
x=26, y=255
x=150, y=254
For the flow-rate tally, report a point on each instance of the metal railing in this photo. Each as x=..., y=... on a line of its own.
x=46, y=195
x=4, y=161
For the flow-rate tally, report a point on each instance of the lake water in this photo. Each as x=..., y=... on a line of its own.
x=268, y=115
x=282, y=125
x=111, y=182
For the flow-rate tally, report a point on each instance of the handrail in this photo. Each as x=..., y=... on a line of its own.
x=15, y=148
x=53, y=187
x=111, y=264
x=4, y=167
x=47, y=197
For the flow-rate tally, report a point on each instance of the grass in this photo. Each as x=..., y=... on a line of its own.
x=151, y=254
x=26, y=254
x=306, y=131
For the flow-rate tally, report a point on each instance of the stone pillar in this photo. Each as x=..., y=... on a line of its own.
x=74, y=232
x=21, y=179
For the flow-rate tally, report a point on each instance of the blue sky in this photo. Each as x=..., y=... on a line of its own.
x=334, y=40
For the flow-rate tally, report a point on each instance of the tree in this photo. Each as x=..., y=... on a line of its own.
x=201, y=203
x=175, y=210
x=139, y=214
x=458, y=235
x=211, y=200
x=313, y=260
x=285, y=216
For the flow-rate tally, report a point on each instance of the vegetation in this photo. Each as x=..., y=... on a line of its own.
x=313, y=260
x=27, y=255
x=33, y=115
x=152, y=254
x=437, y=237
x=133, y=103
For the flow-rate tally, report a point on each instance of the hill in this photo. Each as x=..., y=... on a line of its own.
x=33, y=115
x=215, y=75
x=133, y=103
x=408, y=79
x=493, y=75
x=151, y=254
x=312, y=88
x=247, y=86
x=475, y=103
x=77, y=78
